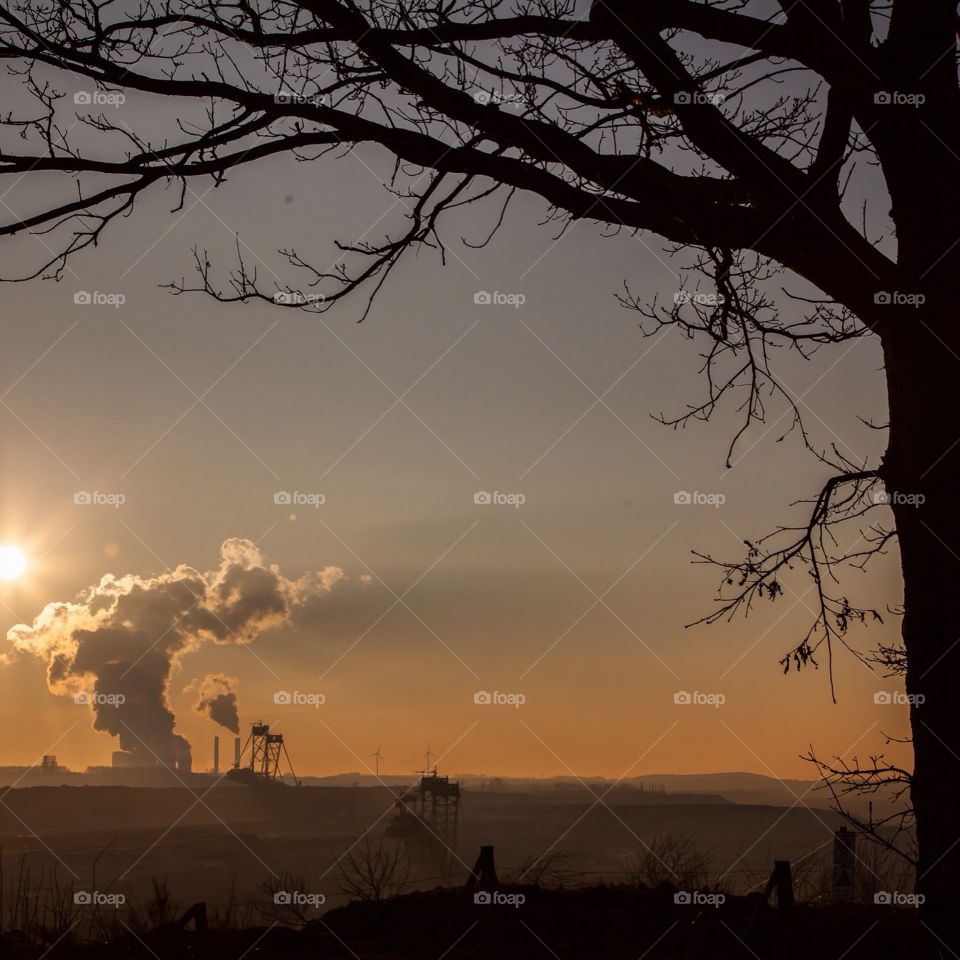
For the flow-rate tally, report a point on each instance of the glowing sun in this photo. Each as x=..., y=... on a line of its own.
x=13, y=561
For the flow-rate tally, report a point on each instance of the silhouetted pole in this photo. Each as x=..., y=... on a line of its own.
x=484, y=875
x=198, y=914
x=783, y=883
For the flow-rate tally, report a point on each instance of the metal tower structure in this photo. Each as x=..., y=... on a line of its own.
x=436, y=802
x=428, y=820
x=266, y=750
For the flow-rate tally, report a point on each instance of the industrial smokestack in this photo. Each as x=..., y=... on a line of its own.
x=216, y=755
x=128, y=634
x=236, y=753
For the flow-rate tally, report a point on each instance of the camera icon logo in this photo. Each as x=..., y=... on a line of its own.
x=82, y=698
x=82, y=898
x=283, y=497
x=682, y=897
x=482, y=697
x=482, y=97
x=83, y=298
x=482, y=497
x=682, y=697
x=282, y=897
x=884, y=697
x=882, y=898
x=882, y=98
x=482, y=897
x=83, y=98
x=882, y=298
x=682, y=497
x=82, y=498
x=283, y=698
x=482, y=298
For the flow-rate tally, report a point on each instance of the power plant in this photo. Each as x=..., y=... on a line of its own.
x=268, y=763
x=125, y=760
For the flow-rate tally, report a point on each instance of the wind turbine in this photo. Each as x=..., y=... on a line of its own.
x=377, y=757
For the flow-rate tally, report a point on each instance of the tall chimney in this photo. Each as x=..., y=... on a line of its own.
x=216, y=755
x=236, y=753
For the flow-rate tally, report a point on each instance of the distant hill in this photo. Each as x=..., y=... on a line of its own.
x=734, y=787
x=742, y=787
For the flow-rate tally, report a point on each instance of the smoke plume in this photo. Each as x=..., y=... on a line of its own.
x=217, y=699
x=116, y=646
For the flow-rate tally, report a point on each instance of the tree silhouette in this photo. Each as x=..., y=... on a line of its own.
x=732, y=129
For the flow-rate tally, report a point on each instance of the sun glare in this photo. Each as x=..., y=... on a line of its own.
x=13, y=561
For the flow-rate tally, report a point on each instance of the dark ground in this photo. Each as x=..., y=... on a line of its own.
x=598, y=923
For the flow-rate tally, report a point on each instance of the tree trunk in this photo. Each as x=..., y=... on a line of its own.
x=922, y=355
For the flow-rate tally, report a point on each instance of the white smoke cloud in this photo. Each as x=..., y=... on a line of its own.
x=120, y=640
x=217, y=699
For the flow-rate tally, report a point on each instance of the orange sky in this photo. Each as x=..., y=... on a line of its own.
x=577, y=599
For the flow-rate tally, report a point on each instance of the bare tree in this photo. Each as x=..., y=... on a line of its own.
x=373, y=871
x=556, y=870
x=889, y=821
x=732, y=129
x=673, y=859
x=882, y=871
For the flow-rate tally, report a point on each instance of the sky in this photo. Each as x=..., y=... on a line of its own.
x=184, y=419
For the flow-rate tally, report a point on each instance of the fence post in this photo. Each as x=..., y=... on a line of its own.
x=483, y=877
x=783, y=882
